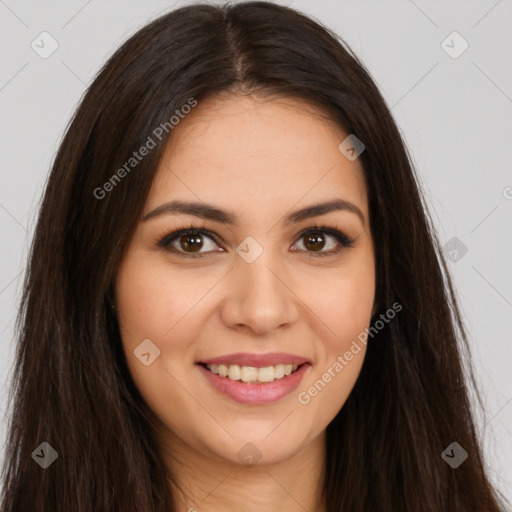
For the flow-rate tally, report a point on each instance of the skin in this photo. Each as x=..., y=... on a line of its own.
x=260, y=158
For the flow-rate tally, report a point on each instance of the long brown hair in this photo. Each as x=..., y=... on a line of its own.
x=71, y=387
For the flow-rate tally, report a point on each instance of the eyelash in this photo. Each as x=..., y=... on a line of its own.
x=194, y=230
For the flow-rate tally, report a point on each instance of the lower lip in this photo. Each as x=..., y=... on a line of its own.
x=256, y=393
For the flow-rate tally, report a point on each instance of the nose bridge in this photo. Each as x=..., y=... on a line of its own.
x=262, y=277
x=260, y=297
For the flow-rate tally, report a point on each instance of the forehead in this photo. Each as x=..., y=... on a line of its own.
x=257, y=155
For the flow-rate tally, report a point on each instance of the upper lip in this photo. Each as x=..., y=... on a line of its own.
x=256, y=360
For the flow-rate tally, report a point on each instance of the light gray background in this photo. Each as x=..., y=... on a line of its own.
x=455, y=114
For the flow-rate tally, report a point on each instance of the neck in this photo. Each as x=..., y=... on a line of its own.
x=208, y=484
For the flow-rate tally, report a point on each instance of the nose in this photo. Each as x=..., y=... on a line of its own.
x=260, y=298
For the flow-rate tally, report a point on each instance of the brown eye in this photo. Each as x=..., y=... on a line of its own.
x=192, y=242
x=318, y=241
x=314, y=242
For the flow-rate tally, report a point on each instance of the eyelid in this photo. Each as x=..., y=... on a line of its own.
x=344, y=241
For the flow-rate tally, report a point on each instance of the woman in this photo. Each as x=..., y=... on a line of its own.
x=235, y=299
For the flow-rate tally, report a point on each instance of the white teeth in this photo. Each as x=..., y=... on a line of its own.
x=235, y=372
x=278, y=371
x=266, y=374
x=252, y=374
x=249, y=373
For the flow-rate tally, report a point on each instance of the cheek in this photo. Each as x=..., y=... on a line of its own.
x=152, y=303
x=166, y=307
x=350, y=311
x=346, y=310
x=156, y=307
x=343, y=304
x=138, y=300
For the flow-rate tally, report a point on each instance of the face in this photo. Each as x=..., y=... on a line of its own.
x=257, y=282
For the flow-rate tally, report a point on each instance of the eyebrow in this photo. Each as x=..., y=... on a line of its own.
x=211, y=212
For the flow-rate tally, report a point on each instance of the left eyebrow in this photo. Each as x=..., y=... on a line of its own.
x=322, y=209
x=211, y=212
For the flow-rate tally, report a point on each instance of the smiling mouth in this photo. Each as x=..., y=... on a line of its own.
x=251, y=374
